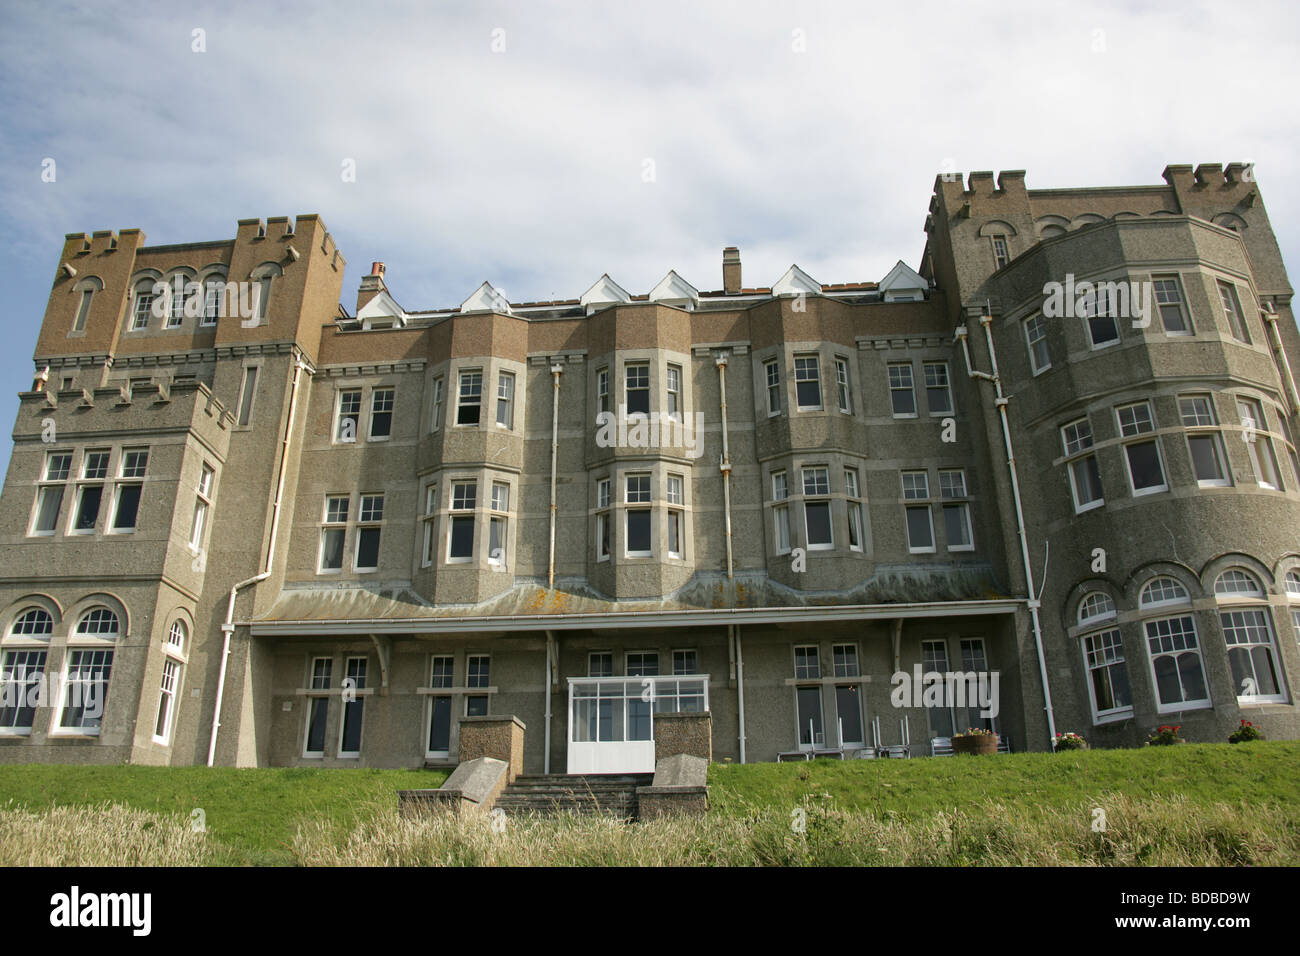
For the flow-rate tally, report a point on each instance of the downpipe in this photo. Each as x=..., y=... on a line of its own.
x=228, y=627
x=555, y=446
x=1000, y=401
x=721, y=363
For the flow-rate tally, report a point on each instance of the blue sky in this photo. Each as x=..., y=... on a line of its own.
x=512, y=141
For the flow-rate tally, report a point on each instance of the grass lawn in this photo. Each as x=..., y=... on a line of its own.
x=1258, y=773
x=251, y=815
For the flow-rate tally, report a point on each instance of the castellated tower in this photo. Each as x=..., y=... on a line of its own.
x=1153, y=420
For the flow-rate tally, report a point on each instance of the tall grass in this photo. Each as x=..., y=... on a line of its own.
x=109, y=835
x=1168, y=832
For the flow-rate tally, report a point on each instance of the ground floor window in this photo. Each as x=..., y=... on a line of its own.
x=86, y=690
x=1176, y=663
x=1108, y=687
x=20, y=679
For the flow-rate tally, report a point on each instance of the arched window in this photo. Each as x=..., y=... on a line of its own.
x=181, y=287
x=87, y=669
x=176, y=637
x=98, y=622
x=33, y=622
x=169, y=689
x=1293, y=585
x=1095, y=606
x=85, y=289
x=1248, y=633
x=214, y=297
x=1163, y=591
x=1238, y=583
x=263, y=277
x=1173, y=648
x=22, y=670
x=1104, y=660
x=1293, y=595
x=144, y=296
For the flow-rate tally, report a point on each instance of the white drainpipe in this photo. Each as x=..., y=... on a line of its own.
x=1000, y=401
x=721, y=362
x=546, y=724
x=555, y=445
x=1269, y=315
x=740, y=688
x=228, y=628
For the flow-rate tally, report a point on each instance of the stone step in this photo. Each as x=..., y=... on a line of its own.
x=546, y=794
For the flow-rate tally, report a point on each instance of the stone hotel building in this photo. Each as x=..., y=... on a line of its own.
x=244, y=525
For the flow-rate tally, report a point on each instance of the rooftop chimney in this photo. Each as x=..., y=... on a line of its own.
x=731, y=270
x=371, y=285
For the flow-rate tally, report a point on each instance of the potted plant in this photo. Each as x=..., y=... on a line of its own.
x=1164, y=736
x=975, y=741
x=1247, y=731
x=1069, y=741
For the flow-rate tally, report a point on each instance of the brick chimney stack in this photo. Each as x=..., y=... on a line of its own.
x=371, y=285
x=731, y=270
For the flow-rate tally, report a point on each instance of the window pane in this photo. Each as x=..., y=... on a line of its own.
x=1205, y=457
x=818, y=515
x=88, y=509
x=1144, y=465
x=920, y=535
x=638, y=531
x=128, y=505
x=462, y=537
x=368, y=548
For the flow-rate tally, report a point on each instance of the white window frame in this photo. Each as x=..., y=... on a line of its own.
x=1140, y=437
x=505, y=400
x=1031, y=324
x=772, y=387
x=467, y=397
x=375, y=399
x=909, y=388
x=802, y=377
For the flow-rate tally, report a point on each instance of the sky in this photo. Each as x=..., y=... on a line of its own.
x=538, y=145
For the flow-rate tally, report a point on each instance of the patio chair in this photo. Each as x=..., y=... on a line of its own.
x=1004, y=744
x=941, y=747
x=865, y=753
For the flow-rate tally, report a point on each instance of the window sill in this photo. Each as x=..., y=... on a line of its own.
x=904, y=415
x=73, y=735
x=1090, y=506
x=1112, y=717
x=962, y=547
x=1142, y=493
x=15, y=731
x=1181, y=708
x=920, y=551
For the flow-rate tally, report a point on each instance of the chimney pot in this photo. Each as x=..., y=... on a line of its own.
x=376, y=268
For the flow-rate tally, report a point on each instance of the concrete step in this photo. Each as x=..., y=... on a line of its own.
x=546, y=794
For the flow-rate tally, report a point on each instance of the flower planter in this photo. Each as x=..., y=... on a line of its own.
x=975, y=744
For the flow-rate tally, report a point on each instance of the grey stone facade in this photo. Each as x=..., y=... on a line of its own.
x=864, y=482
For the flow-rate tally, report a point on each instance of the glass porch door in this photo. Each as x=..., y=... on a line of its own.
x=611, y=720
